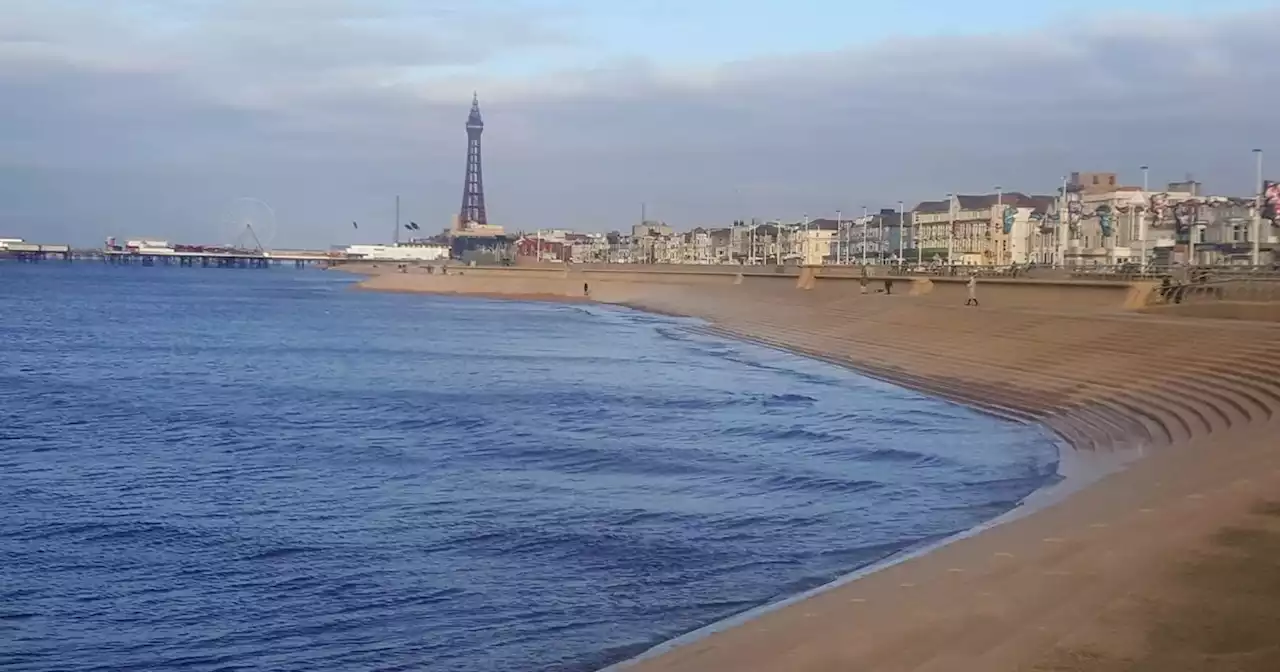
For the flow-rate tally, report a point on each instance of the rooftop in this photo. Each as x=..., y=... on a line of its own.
x=985, y=201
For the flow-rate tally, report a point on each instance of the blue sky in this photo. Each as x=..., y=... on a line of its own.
x=701, y=32
x=133, y=118
x=694, y=33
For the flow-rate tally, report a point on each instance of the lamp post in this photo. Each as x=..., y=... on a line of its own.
x=951, y=231
x=864, y=235
x=880, y=245
x=999, y=217
x=902, y=220
x=915, y=228
x=1064, y=226
x=804, y=248
x=1255, y=256
x=1142, y=221
x=840, y=239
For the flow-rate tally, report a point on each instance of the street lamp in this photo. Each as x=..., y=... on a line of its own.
x=999, y=217
x=951, y=231
x=1142, y=221
x=880, y=246
x=840, y=244
x=864, y=235
x=804, y=249
x=902, y=220
x=1255, y=257
x=1064, y=226
x=915, y=229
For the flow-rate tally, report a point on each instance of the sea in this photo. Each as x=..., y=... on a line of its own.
x=234, y=469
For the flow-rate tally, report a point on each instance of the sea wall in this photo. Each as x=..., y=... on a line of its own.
x=624, y=283
x=1057, y=295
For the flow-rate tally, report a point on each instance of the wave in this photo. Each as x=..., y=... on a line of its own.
x=461, y=486
x=912, y=457
x=798, y=483
x=281, y=552
x=98, y=531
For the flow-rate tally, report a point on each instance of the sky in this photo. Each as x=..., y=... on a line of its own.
x=158, y=118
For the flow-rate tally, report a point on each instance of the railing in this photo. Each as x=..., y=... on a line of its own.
x=1260, y=289
x=958, y=271
x=1181, y=273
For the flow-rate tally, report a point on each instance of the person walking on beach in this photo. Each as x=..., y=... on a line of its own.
x=586, y=291
x=973, y=290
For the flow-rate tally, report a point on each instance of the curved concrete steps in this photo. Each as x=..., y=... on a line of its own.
x=1100, y=381
x=1023, y=399
x=932, y=361
x=1219, y=397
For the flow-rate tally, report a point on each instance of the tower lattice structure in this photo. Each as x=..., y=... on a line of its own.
x=472, y=211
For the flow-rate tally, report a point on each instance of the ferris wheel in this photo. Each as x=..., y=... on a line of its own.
x=248, y=224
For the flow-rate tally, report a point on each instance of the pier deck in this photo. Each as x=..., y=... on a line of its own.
x=222, y=259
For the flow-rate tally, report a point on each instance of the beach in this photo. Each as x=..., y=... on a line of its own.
x=1168, y=563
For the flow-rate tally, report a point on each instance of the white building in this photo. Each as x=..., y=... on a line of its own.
x=403, y=252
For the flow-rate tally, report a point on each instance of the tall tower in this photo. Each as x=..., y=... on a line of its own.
x=472, y=211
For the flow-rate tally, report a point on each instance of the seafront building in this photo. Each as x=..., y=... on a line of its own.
x=1090, y=219
x=981, y=230
x=405, y=252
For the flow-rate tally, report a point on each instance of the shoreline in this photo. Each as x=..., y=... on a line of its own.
x=1070, y=480
x=1070, y=469
x=492, y=296
x=1113, y=525
x=1074, y=471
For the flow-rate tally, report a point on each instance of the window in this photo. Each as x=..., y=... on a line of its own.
x=1095, y=179
x=1111, y=180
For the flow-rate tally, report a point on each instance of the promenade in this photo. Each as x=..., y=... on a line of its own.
x=1168, y=564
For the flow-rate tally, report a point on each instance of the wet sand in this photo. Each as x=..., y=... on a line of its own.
x=1172, y=563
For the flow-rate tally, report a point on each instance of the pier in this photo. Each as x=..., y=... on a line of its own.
x=144, y=252
x=14, y=248
x=219, y=259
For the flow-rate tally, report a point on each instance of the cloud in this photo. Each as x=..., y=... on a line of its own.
x=147, y=117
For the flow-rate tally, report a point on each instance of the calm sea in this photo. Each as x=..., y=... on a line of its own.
x=239, y=469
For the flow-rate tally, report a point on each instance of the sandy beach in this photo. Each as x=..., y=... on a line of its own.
x=1172, y=563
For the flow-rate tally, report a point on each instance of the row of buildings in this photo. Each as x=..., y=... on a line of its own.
x=1091, y=220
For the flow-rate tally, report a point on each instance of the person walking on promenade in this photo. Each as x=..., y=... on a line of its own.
x=973, y=290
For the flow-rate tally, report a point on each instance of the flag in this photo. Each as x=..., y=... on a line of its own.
x=354, y=225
